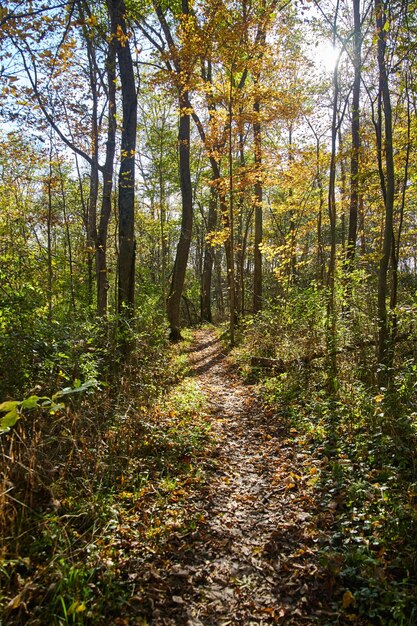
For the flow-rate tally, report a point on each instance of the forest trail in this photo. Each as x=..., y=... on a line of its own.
x=254, y=558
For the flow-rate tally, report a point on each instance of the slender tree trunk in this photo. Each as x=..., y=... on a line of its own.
x=240, y=285
x=396, y=241
x=101, y=247
x=126, y=202
x=331, y=275
x=91, y=228
x=183, y=248
x=218, y=285
x=245, y=237
x=292, y=267
x=343, y=189
x=230, y=246
x=206, y=278
x=94, y=177
x=258, y=187
x=356, y=139
x=68, y=238
x=162, y=225
x=49, y=236
x=362, y=224
x=258, y=193
x=320, y=251
x=385, y=348
x=226, y=210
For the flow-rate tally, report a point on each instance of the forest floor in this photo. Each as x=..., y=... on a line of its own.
x=254, y=555
x=210, y=503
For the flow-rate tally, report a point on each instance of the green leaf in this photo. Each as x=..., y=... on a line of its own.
x=9, y=419
x=9, y=405
x=55, y=407
x=89, y=384
x=31, y=402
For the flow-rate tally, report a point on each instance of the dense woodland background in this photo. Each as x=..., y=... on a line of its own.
x=250, y=164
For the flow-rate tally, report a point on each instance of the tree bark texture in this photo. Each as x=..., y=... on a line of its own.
x=126, y=201
x=94, y=178
x=206, y=278
x=356, y=139
x=183, y=247
x=102, y=235
x=331, y=298
x=384, y=343
x=258, y=193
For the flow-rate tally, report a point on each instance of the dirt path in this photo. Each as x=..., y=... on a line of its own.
x=254, y=559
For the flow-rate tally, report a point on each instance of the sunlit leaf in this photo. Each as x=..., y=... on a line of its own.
x=348, y=599
x=9, y=419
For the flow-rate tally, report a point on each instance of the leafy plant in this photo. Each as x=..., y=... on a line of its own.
x=14, y=410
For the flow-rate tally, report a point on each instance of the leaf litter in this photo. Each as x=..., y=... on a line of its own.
x=213, y=518
x=253, y=557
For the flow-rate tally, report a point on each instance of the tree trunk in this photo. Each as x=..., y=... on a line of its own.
x=331, y=275
x=94, y=178
x=258, y=193
x=101, y=244
x=384, y=344
x=126, y=202
x=49, y=235
x=162, y=225
x=320, y=248
x=206, y=278
x=230, y=218
x=240, y=283
x=356, y=140
x=183, y=248
x=396, y=241
x=218, y=285
x=342, y=187
x=292, y=266
x=72, y=307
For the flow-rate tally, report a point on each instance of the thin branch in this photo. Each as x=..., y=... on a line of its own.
x=33, y=82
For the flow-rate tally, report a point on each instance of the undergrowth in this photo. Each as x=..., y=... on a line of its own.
x=362, y=441
x=95, y=490
x=365, y=492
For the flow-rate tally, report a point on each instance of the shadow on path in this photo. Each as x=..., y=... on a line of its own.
x=253, y=558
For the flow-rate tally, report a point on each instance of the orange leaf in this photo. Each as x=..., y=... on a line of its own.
x=348, y=599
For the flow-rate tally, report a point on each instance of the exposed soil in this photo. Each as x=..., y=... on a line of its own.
x=254, y=558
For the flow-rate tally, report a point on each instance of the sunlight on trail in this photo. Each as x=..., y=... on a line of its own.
x=254, y=559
